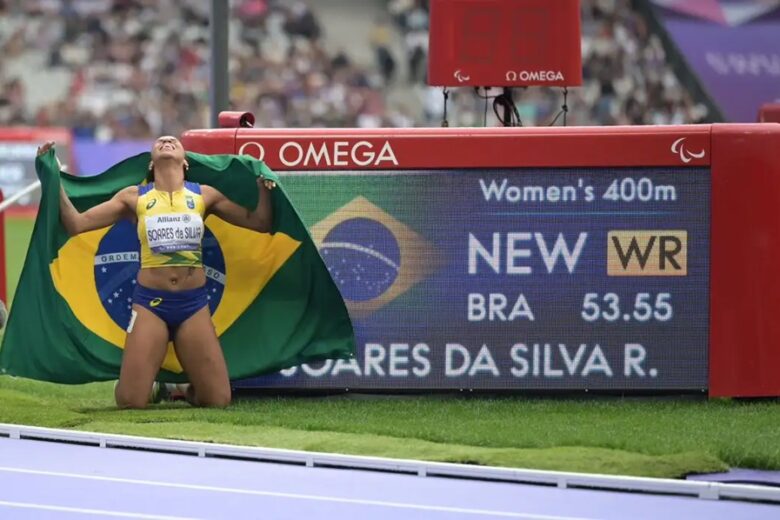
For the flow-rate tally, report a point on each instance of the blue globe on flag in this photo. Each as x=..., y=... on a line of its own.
x=117, y=264
x=363, y=257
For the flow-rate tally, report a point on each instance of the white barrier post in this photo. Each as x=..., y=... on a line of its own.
x=18, y=195
x=5, y=204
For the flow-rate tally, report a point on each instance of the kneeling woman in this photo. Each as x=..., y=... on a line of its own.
x=170, y=301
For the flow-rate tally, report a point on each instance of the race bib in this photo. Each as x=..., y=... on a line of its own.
x=173, y=232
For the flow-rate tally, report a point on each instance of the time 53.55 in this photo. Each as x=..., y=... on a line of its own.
x=643, y=307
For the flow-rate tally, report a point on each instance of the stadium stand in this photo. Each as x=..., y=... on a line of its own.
x=112, y=69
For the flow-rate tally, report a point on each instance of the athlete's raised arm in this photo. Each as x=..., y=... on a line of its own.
x=121, y=205
x=259, y=219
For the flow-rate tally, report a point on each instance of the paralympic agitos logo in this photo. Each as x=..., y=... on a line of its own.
x=686, y=155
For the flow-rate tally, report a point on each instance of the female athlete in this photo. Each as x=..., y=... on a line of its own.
x=170, y=301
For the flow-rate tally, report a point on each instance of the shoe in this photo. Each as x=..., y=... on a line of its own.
x=176, y=392
x=159, y=392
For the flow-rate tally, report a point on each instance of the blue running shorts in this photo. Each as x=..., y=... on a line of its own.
x=173, y=307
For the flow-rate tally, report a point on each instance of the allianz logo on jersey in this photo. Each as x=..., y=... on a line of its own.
x=326, y=153
x=165, y=219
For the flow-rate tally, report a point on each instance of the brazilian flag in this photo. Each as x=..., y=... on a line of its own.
x=272, y=300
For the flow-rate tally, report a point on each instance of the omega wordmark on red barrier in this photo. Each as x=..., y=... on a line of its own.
x=347, y=154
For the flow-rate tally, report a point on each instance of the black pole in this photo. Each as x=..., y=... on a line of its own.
x=507, y=106
x=219, y=82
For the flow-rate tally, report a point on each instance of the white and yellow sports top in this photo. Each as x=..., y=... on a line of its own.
x=170, y=226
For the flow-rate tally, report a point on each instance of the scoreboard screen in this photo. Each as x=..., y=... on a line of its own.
x=515, y=278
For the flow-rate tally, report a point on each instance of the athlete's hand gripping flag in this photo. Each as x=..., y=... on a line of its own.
x=273, y=302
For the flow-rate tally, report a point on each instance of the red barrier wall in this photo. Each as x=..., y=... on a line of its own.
x=744, y=355
x=769, y=113
x=745, y=245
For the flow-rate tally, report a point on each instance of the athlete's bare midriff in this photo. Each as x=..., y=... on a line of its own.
x=172, y=278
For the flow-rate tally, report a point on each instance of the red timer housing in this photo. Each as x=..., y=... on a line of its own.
x=505, y=43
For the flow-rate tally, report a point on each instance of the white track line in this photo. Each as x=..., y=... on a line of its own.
x=100, y=512
x=320, y=498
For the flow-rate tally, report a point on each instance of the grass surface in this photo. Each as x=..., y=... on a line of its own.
x=643, y=437
x=17, y=238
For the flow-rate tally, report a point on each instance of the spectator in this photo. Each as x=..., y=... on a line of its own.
x=414, y=21
x=380, y=41
x=302, y=22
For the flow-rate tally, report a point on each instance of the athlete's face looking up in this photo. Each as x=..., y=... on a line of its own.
x=167, y=147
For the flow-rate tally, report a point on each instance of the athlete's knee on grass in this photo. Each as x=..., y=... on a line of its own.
x=214, y=399
x=130, y=400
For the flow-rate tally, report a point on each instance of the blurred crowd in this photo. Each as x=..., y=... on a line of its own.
x=132, y=69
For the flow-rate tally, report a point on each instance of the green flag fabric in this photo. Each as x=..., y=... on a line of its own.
x=272, y=299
